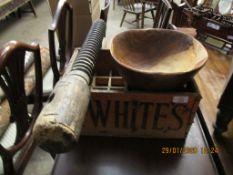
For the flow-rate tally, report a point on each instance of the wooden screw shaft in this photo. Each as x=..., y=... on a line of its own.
x=59, y=124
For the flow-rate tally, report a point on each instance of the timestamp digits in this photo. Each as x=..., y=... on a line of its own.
x=189, y=150
x=179, y=150
x=211, y=150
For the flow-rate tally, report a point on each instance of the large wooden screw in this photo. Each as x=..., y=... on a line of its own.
x=60, y=122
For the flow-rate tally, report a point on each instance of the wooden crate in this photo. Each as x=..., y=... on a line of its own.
x=115, y=110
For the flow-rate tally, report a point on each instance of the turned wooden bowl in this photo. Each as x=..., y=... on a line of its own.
x=157, y=59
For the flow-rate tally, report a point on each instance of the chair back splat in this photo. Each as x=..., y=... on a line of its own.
x=12, y=82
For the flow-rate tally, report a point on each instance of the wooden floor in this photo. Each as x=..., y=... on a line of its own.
x=211, y=81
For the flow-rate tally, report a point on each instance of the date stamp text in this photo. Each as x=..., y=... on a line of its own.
x=189, y=150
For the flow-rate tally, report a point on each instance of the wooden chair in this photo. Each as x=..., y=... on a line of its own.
x=16, y=148
x=31, y=10
x=163, y=14
x=104, y=10
x=9, y=6
x=62, y=24
x=136, y=8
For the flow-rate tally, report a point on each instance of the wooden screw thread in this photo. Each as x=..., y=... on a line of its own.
x=89, y=50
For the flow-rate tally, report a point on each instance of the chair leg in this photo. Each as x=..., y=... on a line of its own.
x=123, y=18
x=152, y=14
x=154, y=22
x=32, y=7
x=137, y=20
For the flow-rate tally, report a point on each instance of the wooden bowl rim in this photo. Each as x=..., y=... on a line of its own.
x=198, y=65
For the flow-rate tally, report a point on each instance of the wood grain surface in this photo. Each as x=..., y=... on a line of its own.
x=148, y=60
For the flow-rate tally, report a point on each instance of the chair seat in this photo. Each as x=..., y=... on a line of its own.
x=149, y=6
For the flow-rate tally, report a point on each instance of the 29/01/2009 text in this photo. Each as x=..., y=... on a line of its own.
x=189, y=150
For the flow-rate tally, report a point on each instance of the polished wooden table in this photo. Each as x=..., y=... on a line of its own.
x=131, y=156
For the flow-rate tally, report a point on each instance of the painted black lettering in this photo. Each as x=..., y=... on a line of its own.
x=146, y=106
x=118, y=113
x=99, y=113
x=158, y=114
x=177, y=116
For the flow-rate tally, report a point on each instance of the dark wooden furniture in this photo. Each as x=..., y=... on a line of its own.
x=138, y=8
x=213, y=28
x=104, y=10
x=128, y=156
x=12, y=81
x=163, y=17
x=163, y=14
x=179, y=19
x=62, y=25
x=177, y=12
x=225, y=107
x=219, y=28
x=9, y=6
